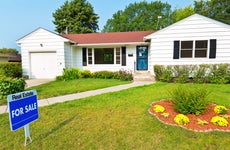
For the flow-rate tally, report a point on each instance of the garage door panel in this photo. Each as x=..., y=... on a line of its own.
x=43, y=65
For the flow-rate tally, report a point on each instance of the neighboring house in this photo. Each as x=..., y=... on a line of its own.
x=10, y=57
x=194, y=40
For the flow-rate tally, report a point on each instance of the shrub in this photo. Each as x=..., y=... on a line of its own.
x=220, y=109
x=181, y=119
x=163, y=73
x=86, y=74
x=158, y=108
x=11, y=85
x=158, y=71
x=182, y=73
x=11, y=70
x=219, y=74
x=125, y=75
x=219, y=121
x=103, y=75
x=201, y=74
x=70, y=74
x=189, y=100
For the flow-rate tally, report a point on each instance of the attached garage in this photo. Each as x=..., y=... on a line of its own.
x=43, y=54
x=43, y=65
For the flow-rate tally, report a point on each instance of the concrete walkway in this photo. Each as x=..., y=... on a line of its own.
x=60, y=99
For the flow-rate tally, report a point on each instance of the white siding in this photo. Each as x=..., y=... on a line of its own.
x=42, y=41
x=195, y=27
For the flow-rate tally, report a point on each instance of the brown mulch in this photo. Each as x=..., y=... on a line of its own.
x=193, y=124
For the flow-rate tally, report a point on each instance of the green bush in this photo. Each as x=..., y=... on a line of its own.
x=103, y=75
x=189, y=100
x=124, y=75
x=219, y=74
x=158, y=70
x=70, y=74
x=11, y=70
x=11, y=85
x=182, y=73
x=201, y=74
x=86, y=74
x=163, y=73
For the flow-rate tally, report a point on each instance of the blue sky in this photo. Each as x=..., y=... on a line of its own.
x=20, y=17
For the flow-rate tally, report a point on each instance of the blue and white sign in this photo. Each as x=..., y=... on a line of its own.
x=23, y=108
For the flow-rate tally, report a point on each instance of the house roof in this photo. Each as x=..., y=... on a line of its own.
x=19, y=41
x=186, y=19
x=108, y=37
x=11, y=57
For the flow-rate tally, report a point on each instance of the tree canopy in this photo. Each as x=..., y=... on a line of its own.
x=8, y=51
x=76, y=16
x=182, y=13
x=215, y=9
x=140, y=16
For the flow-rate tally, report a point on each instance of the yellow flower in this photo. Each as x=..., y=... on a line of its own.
x=219, y=121
x=220, y=109
x=181, y=119
x=158, y=108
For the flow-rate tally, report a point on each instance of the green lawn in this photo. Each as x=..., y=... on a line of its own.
x=118, y=120
x=57, y=88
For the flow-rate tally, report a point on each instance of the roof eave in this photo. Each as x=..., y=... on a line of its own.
x=112, y=44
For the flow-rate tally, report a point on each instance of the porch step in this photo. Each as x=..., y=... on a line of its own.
x=143, y=76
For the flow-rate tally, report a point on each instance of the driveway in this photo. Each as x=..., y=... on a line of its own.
x=35, y=82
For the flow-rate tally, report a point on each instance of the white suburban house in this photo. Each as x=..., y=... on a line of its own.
x=193, y=40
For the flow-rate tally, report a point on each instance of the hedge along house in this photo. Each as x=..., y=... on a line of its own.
x=45, y=54
x=193, y=40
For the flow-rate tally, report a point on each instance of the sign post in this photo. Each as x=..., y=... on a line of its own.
x=23, y=109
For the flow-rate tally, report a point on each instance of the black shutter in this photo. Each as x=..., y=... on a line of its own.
x=212, y=50
x=123, y=53
x=176, y=50
x=84, y=57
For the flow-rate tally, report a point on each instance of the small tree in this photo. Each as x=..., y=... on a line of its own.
x=76, y=16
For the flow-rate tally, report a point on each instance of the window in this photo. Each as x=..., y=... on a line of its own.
x=118, y=56
x=90, y=57
x=201, y=49
x=186, y=49
x=195, y=49
x=104, y=55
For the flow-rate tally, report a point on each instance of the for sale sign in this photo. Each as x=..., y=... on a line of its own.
x=23, y=108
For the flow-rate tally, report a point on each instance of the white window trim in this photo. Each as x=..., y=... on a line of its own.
x=193, y=50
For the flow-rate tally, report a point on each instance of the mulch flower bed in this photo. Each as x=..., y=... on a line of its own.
x=193, y=124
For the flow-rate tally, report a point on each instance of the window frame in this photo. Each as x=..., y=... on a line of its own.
x=116, y=55
x=194, y=48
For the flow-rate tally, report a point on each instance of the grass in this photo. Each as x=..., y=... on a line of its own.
x=57, y=88
x=118, y=120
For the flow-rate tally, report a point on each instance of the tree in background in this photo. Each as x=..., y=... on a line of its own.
x=8, y=51
x=140, y=16
x=76, y=16
x=182, y=13
x=215, y=9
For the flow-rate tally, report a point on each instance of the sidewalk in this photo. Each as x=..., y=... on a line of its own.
x=60, y=99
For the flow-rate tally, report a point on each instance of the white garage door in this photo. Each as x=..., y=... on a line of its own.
x=43, y=65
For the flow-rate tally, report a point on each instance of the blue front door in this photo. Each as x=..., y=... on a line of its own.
x=142, y=57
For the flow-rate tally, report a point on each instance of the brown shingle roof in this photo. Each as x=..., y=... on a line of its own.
x=108, y=37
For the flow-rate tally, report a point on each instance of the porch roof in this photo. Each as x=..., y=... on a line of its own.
x=108, y=37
